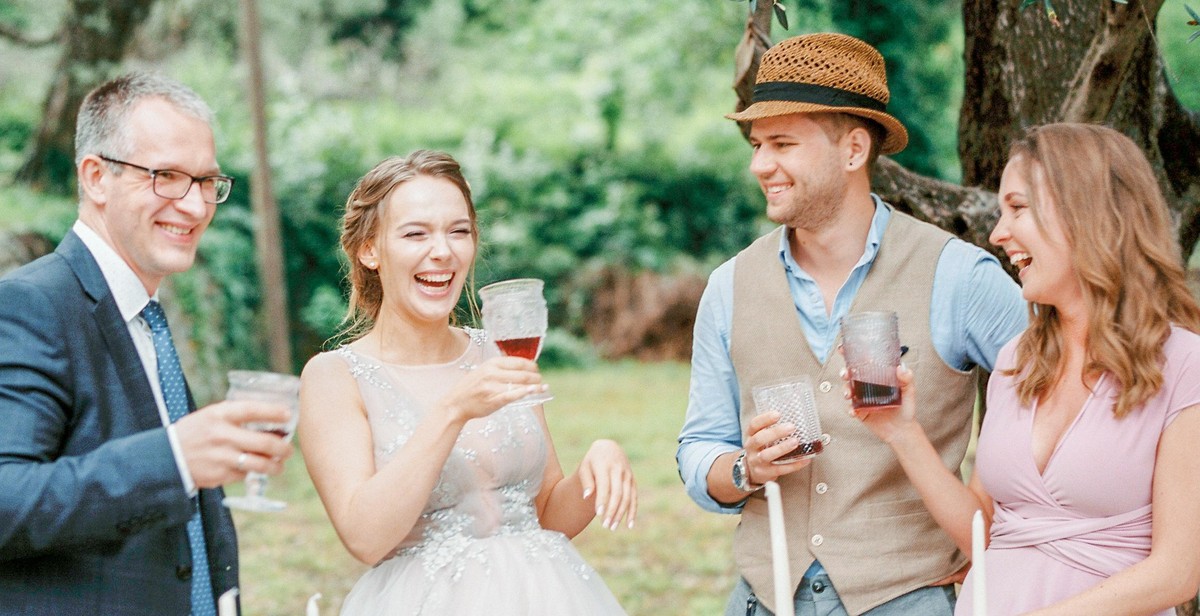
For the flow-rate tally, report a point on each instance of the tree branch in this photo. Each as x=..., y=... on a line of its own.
x=970, y=213
x=1093, y=90
x=755, y=41
x=17, y=36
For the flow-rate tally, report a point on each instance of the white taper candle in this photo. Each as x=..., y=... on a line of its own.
x=779, y=552
x=227, y=603
x=978, y=579
x=312, y=609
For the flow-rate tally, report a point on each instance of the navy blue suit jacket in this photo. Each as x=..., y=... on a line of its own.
x=92, y=508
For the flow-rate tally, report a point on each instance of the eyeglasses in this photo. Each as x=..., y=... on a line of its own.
x=172, y=184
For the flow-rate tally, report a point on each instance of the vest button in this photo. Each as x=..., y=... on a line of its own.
x=825, y=386
x=183, y=572
x=817, y=540
x=822, y=488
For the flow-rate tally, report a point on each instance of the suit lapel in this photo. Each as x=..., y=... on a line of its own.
x=107, y=319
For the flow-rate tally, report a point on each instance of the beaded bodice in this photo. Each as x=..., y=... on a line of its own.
x=488, y=483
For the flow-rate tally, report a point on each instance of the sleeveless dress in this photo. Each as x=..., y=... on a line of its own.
x=478, y=547
x=1088, y=515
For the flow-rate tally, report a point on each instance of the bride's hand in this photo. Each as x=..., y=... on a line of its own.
x=605, y=470
x=493, y=384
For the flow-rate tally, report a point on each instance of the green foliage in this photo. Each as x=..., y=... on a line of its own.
x=777, y=7
x=25, y=210
x=381, y=25
x=1194, y=21
x=1182, y=60
x=921, y=43
x=591, y=159
x=591, y=132
x=562, y=350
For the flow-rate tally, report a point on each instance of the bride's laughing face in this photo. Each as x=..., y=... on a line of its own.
x=424, y=249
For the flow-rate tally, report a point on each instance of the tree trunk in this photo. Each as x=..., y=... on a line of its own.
x=1101, y=66
x=268, y=241
x=96, y=35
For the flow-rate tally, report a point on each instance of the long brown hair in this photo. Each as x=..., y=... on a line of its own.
x=364, y=215
x=1125, y=255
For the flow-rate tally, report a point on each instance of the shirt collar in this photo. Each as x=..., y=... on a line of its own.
x=879, y=222
x=126, y=288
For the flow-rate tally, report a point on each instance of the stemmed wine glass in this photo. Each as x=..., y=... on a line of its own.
x=276, y=388
x=514, y=314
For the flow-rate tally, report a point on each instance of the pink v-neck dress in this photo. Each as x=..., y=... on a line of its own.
x=1087, y=516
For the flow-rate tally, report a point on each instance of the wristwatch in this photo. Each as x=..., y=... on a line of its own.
x=741, y=475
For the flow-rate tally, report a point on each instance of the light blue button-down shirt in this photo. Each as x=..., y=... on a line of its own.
x=975, y=309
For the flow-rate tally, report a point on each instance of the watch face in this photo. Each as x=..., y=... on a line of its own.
x=739, y=473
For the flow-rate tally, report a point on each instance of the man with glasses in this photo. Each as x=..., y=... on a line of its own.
x=110, y=479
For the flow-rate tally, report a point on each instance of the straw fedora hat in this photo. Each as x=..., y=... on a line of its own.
x=824, y=72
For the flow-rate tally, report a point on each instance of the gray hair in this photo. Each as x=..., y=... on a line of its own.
x=100, y=127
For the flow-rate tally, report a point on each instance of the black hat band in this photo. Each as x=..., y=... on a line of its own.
x=811, y=93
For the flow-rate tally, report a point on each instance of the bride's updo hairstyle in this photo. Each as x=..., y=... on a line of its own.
x=364, y=215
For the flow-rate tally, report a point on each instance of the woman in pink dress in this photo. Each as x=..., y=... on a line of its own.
x=1085, y=468
x=454, y=496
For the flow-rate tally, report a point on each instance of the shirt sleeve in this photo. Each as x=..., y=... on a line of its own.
x=1181, y=372
x=977, y=307
x=711, y=426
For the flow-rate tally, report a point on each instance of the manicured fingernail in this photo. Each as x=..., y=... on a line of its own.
x=631, y=525
x=586, y=493
x=600, y=511
x=609, y=525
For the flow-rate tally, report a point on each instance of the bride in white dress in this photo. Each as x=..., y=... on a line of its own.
x=458, y=501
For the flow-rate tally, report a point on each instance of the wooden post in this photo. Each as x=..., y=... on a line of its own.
x=268, y=241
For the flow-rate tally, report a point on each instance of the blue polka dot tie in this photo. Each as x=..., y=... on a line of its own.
x=174, y=391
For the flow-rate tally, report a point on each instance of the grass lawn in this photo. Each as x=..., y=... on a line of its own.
x=677, y=560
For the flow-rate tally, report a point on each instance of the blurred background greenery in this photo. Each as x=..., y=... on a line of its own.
x=591, y=132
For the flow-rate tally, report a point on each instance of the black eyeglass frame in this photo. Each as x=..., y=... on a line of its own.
x=154, y=175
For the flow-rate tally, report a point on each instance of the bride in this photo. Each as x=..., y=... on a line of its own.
x=457, y=500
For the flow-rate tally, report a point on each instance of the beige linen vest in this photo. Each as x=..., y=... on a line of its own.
x=852, y=508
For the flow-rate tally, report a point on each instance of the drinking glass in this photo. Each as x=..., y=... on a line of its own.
x=871, y=345
x=796, y=404
x=514, y=314
x=275, y=388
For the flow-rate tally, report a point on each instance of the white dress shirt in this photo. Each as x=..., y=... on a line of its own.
x=131, y=297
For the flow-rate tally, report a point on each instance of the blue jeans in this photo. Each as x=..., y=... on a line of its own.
x=817, y=597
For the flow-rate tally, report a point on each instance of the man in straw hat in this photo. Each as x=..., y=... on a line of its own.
x=860, y=540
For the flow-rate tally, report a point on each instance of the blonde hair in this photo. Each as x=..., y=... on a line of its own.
x=363, y=218
x=1125, y=255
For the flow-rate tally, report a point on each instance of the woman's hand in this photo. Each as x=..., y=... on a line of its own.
x=491, y=385
x=605, y=470
x=887, y=422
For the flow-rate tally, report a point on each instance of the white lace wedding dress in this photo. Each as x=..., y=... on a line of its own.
x=477, y=547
